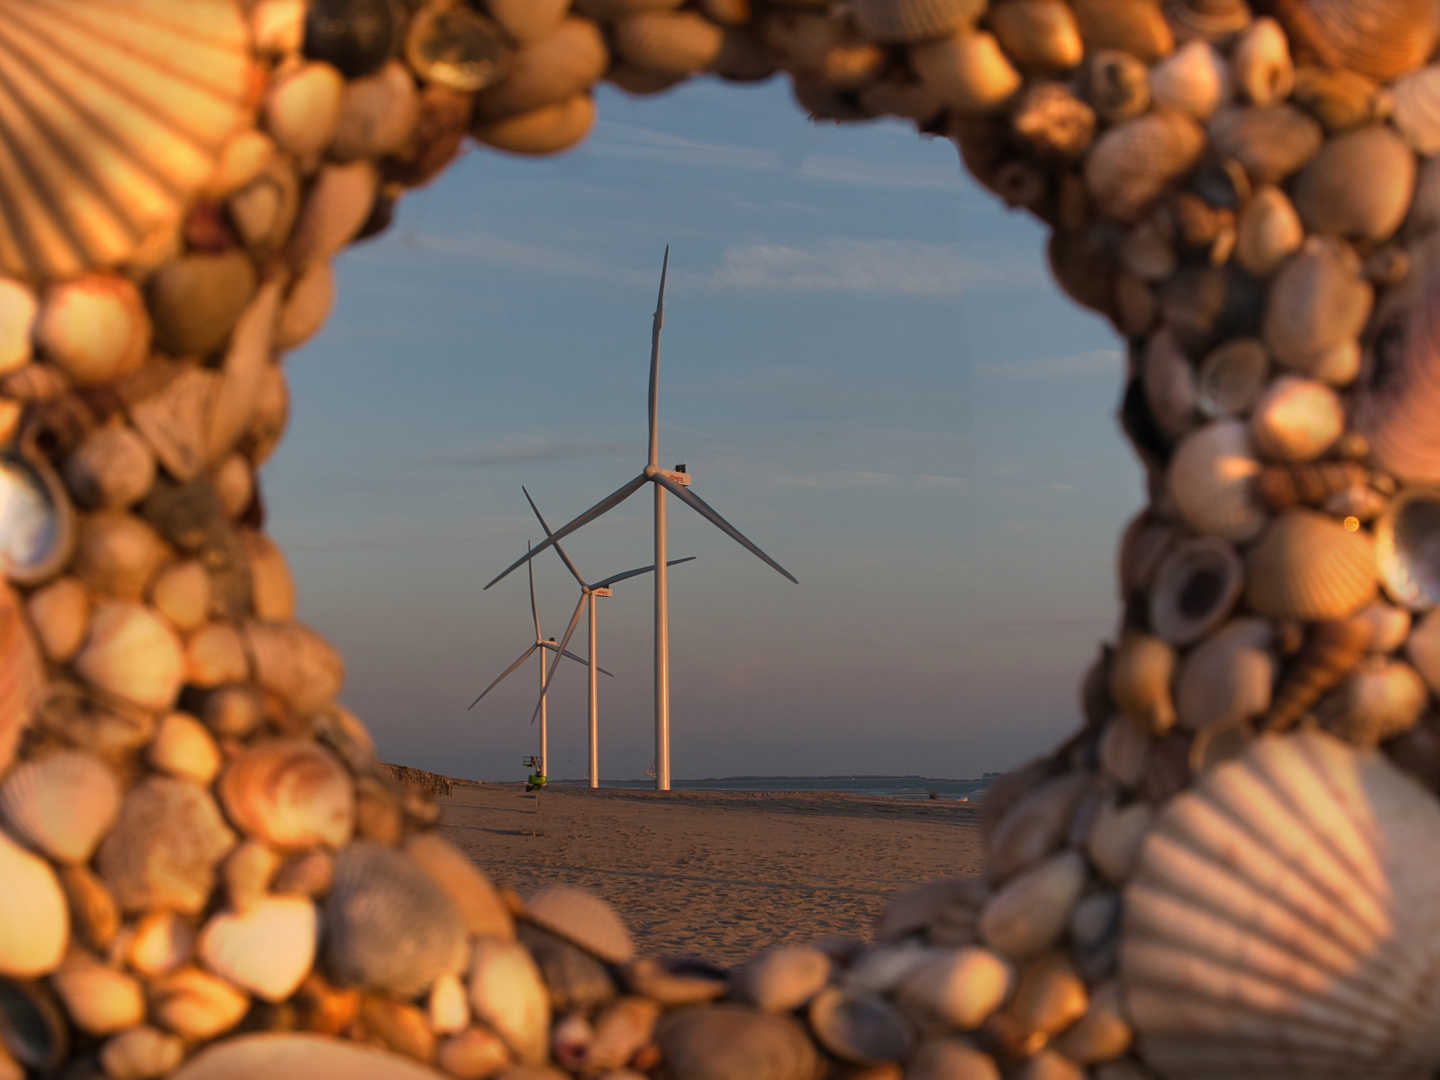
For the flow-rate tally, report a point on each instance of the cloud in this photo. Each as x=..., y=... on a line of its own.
x=896, y=267
x=528, y=448
x=1095, y=364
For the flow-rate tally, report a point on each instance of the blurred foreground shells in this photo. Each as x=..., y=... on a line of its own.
x=127, y=126
x=314, y=1057
x=583, y=918
x=292, y=794
x=1299, y=942
x=61, y=805
x=727, y=1043
x=1308, y=566
x=34, y=918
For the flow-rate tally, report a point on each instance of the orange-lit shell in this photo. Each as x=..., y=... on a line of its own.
x=162, y=942
x=117, y=553
x=340, y=201
x=94, y=327
x=1270, y=142
x=859, y=1026
x=1137, y=27
x=1318, y=301
x=967, y=70
x=61, y=805
x=1405, y=549
x=1359, y=185
x=1227, y=678
x=60, y=614
x=476, y=899
x=98, y=999
x=907, y=22
x=1140, y=677
x=124, y=126
x=453, y=47
x=1194, y=81
x=1268, y=232
x=295, y=662
x=290, y=793
x=508, y=994
x=567, y=61
x=113, y=468
x=1231, y=378
x=140, y=1052
x=583, y=918
x=377, y=114
x=1038, y=34
x=1296, y=419
x=195, y=300
x=132, y=653
x=195, y=1004
x=550, y=129
x=1132, y=163
x=302, y=108
x=1309, y=567
x=1211, y=479
x=307, y=305
x=18, y=308
x=1378, y=38
x=670, y=42
x=34, y=919
x=725, y=1041
x=1417, y=109
x=292, y=1054
x=1263, y=70
x=266, y=949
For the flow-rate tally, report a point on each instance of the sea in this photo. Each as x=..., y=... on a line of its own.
x=899, y=787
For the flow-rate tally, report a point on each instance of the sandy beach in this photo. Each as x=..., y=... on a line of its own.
x=717, y=875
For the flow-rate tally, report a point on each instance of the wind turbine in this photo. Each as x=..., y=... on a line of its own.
x=588, y=593
x=677, y=482
x=542, y=644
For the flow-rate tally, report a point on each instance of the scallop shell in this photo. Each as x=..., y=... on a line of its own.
x=131, y=653
x=1263, y=70
x=476, y=900
x=1227, y=678
x=290, y=793
x=37, y=523
x=669, y=42
x=1359, y=185
x=1417, y=109
x=1038, y=34
x=1318, y=301
x=266, y=949
x=34, y=919
x=781, y=980
x=126, y=124
x=1309, y=567
x=356, y=36
x=1194, y=81
x=31, y=1027
x=98, y=999
x=1278, y=923
x=1407, y=549
x=1194, y=589
x=387, y=925
x=859, y=1026
x=1211, y=480
x=61, y=805
x=1269, y=231
x=1135, y=161
x=1297, y=419
x=1377, y=38
x=1271, y=142
x=723, y=1042
x=141, y=1052
x=585, y=919
x=908, y=22
x=294, y=662
x=507, y=993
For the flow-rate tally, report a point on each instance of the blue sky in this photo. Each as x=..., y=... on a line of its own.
x=866, y=369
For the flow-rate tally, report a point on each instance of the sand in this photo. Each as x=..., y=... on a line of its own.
x=718, y=875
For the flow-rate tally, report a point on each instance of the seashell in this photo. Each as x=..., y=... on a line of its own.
x=1136, y=27
x=574, y=979
x=1283, y=486
x=112, y=469
x=1389, y=625
x=1318, y=301
x=1417, y=109
x=242, y=373
x=163, y=942
x=671, y=42
x=1270, y=143
x=781, y=980
x=723, y=1042
x=272, y=588
x=18, y=308
x=131, y=653
x=1203, y=305
x=60, y=614
x=302, y=108
x=215, y=656
x=528, y=20
x=61, y=805
x=1114, y=841
x=340, y=201
x=291, y=793
x=272, y=413
x=962, y=987
x=1124, y=752
x=310, y=874
x=475, y=899
x=1330, y=652
x=165, y=847
x=1309, y=567
x=307, y=306
x=456, y=48
x=1049, y=996
x=277, y=26
x=675, y=982
x=397, y=1026
x=1378, y=700
x=197, y=299
x=621, y=1031
x=1039, y=35
x=1034, y=826
x=37, y=524
x=1339, y=99
x=449, y=1011
x=182, y=594
x=377, y=114
x=140, y=1054
x=1029, y=912
x=94, y=328
x=1296, y=419
x=910, y=22
x=507, y=993
x=1227, y=678
x=117, y=553
x=1102, y=1034
x=1168, y=382
x=1268, y=232
x=356, y=36
x=1148, y=251
x=1381, y=39
x=1264, y=73
x=34, y=919
x=246, y=874
x=859, y=1026
x=294, y=662
x=286, y=1054
x=195, y=1004
x=263, y=211
x=31, y=1027
x=94, y=915
x=472, y=1055
x=882, y=968
x=1210, y=479
x=103, y=724
x=174, y=421
x=247, y=153
x=1278, y=980
x=266, y=949
x=98, y=999
x=1212, y=20
x=1231, y=378
x=1132, y=163
x=968, y=70
x=1196, y=586
x=1194, y=81
x=1422, y=648
x=1117, y=84
x=1359, y=185
x=234, y=481
x=582, y=918
x=233, y=711
x=951, y=1059
x=387, y=925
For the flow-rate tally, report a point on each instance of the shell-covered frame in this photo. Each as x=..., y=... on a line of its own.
x=1227, y=872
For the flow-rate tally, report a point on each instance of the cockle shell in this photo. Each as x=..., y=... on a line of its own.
x=1263, y=70
x=583, y=918
x=1196, y=586
x=181, y=592
x=266, y=949
x=1339, y=98
x=907, y=22
x=1417, y=109
x=387, y=925
x=113, y=468
x=475, y=1052
x=398, y=1026
x=131, y=653
x=1380, y=699
x=1359, y=185
x=295, y=662
x=62, y=804
x=1132, y=163
x=173, y=421
x=291, y=793
x=195, y=1004
x=1194, y=81
x=1211, y=480
x=783, y=979
x=1309, y=567
x=1231, y=377
x=184, y=748
x=724, y=1042
x=1269, y=231
x=92, y=721
x=476, y=900
x=163, y=941
x=1296, y=419
x=968, y=70
x=962, y=987
x=97, y=998
x=1379, y=38
x=117, y=553
x=302, y=108
x=34, y=919
x=1318, y=301
x=94, y=328
x=60, y=614
x=1168, y=380
x=1227, y=678
x=949, y=1059
x=859, y=1026
x=1276, y=923
x=1038, y=34
x=141, y=1053
x=670, y=42
x=566, y=62
x=1124, y=752
x=126, y=125
x=507, y=993
x=1270, y=142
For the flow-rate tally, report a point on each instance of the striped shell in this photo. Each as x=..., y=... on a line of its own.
x=910, y=21
x=1281, y=922
x=61, y=805
x=118, y=122
x=1308, y=566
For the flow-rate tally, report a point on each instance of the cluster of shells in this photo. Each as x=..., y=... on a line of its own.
x=1228, y=872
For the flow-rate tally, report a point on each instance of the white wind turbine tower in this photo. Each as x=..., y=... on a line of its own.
x=677, y=482
x=588, y=593
x=541, y=644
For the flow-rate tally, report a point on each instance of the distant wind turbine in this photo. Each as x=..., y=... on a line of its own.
x=588, y=593
x=542, y=644
x=677, y=482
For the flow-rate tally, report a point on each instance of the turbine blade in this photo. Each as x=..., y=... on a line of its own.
x=563, y=557
x=582, y=660
x=534, y=609
x=507, y=671
x=655, y=363
x=604, y=505
x=636, y=573
x=559, y=651
x=710, y=514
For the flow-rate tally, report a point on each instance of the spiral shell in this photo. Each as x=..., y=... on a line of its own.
x=1279, y=924
x=62, y=804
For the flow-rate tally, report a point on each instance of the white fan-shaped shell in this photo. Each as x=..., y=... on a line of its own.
x=110, y=120
x=62, y=805
x=1281, y=922
x=266, y=949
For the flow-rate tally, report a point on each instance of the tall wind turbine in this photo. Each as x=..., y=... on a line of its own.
x=541, y=644
x=677, y=483
x=588, y=593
